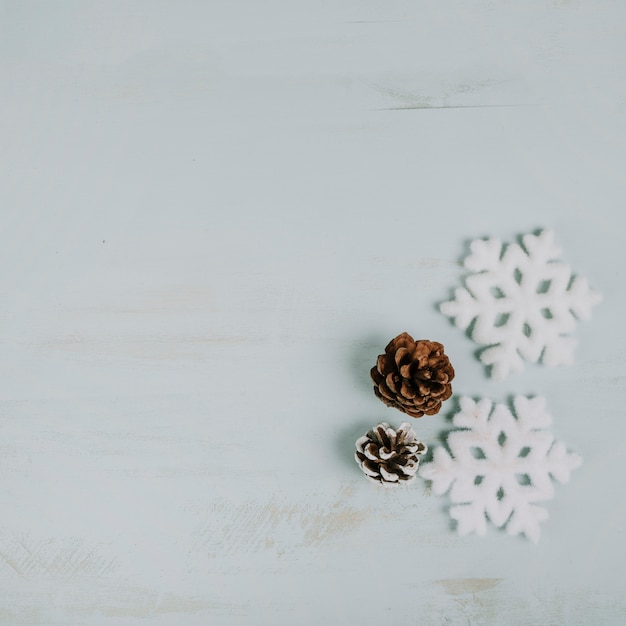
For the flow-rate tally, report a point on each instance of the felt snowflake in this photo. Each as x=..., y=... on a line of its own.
x=499, y=465
x=522, y=302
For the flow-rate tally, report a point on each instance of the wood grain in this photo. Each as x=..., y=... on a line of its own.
x=213, y=217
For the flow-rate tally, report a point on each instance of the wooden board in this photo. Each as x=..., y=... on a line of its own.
x=213, y=217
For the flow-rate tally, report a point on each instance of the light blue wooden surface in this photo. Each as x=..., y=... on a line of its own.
x=213, y=218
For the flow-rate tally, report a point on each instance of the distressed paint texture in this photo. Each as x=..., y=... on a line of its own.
x=213, y=217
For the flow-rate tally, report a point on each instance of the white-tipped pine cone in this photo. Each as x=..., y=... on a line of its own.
x=388, y=456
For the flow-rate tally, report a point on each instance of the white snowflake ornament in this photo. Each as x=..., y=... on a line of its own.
x=525, y=303
x=499, y=465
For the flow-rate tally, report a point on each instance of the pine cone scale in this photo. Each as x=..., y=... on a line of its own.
x=405, y=370
x=408, y=391
x=391, y=383
x=370, y=452
x=390, y=477
x=401, y=356
x=370, y=469
x=386, y=396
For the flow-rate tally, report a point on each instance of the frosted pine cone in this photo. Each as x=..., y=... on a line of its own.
x=413, y=376
x=389, y=456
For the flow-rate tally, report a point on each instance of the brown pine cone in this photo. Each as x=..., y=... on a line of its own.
x=388, y=456
x=413, y=376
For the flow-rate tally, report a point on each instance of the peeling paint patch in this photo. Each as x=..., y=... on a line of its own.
x=146, y=603
x=278, y=524
x=119, y=602
x=54, y=557
x=460, y=586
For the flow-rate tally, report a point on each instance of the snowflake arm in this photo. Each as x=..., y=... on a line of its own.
x=499, y=463
x=521, y=302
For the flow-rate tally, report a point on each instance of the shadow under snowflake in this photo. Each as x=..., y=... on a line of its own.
x=499, y=463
